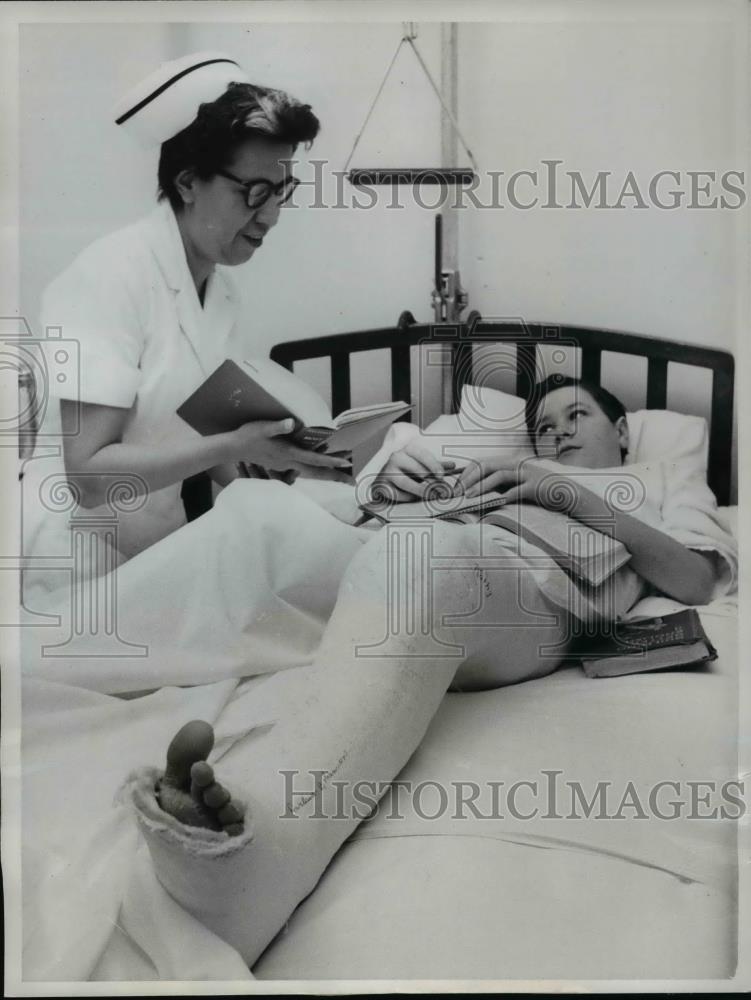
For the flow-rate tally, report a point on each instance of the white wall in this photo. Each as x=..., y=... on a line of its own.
x=602, y=92
x=80, y=176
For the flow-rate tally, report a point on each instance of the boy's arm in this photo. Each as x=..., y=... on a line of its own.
x=679, y=572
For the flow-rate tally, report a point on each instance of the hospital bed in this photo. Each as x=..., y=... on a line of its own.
x=460, y=896
x=559, y=895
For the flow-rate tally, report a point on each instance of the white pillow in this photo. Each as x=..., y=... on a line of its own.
x=488, y=421
x=491, y=419
x=491, y=410
x=661, y=434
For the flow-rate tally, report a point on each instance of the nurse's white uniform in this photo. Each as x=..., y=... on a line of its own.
x=227, y=596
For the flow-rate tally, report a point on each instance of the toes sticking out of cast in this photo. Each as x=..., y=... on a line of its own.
x=188, y=789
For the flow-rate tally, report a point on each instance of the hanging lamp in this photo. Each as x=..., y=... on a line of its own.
x=411, y=175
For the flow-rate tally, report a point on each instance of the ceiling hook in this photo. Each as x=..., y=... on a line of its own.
x=409, y=30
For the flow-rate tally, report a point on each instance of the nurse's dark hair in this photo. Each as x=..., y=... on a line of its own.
x=244, y=110
x=610, y=405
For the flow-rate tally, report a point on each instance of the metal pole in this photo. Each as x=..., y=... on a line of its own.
x=449, y=143
x=449, y=154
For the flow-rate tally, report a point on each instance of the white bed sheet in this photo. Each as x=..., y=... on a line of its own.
x=544, y=898
x=562, y=898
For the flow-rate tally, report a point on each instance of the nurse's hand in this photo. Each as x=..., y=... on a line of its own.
x=266, y=443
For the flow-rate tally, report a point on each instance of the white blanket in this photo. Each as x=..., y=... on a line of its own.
x=91, y=906
x=80, y=745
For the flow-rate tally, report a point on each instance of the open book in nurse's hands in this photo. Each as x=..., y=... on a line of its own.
x=237, y=393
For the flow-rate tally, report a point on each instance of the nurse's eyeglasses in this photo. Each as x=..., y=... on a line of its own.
x=258, y=192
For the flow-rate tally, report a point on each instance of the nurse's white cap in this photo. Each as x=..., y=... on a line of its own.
x=167, y=101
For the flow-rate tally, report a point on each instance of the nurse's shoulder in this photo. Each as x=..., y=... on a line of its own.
x=105, y=301
x=117, y=259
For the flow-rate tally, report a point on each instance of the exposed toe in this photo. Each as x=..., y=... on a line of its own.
x=216, y=796
x=192, y=743
x=231, y=814
x=188, y=789
x=202, y=774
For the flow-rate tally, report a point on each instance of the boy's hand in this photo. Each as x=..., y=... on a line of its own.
x=539, y=481
x=410, y=472
x=490, y=474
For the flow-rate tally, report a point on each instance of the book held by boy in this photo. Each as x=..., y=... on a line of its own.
x=582, y=551
x=236, y=393
x=643, y=644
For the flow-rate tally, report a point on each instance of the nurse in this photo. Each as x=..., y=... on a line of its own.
x=152, y=307
x=224, y=614
x=151, y=311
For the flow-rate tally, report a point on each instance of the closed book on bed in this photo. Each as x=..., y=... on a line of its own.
x=582, y=551
x=236, y=393
x=644, y=644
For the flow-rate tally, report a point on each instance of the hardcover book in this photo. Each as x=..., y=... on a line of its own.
x=582, y=551
x=643, y=644
x=235, y=394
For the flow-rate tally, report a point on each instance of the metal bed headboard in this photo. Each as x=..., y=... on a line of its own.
x=528, y=337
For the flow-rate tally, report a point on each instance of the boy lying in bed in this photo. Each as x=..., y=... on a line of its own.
x=467, y=607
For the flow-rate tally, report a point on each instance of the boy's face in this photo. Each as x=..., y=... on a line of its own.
x=573, y=430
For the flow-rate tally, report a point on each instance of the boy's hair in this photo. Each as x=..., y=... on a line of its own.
x=209, y=142
x=610, y=405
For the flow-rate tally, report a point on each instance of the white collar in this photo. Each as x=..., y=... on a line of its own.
x=207, y=327
x=167, y=244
